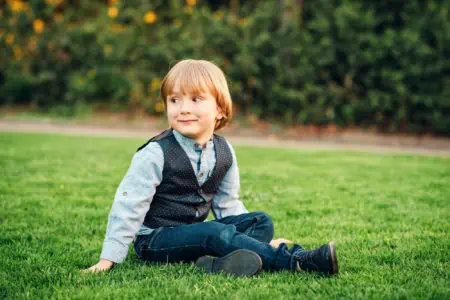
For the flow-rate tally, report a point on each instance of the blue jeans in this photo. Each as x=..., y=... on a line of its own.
x=186, y=243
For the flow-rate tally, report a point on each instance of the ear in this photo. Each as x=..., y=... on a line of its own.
x=220, y=115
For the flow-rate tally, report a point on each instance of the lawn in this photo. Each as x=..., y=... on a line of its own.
x=389, y=215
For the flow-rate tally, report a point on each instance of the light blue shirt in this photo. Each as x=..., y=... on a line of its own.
x=135, y=193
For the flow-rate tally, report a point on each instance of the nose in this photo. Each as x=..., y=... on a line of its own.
x=185, y=107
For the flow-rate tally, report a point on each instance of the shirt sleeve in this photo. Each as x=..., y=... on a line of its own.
x=132, y=201
x=226, y=201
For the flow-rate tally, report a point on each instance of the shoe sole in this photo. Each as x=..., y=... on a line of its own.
x=334, y=262
x=241, y=262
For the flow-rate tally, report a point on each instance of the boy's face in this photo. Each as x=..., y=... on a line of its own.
x=194, y=116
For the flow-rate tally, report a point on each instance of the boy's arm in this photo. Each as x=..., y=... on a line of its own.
x=131, y=202
x=226, y=201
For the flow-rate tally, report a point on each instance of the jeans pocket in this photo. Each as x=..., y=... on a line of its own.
x=144, y=242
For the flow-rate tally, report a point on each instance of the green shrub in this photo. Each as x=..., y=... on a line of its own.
x=346, y=62
x=16, y=89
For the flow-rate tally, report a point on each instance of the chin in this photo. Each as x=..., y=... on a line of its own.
x=186, y=131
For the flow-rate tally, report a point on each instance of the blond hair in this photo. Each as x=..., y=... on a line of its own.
x=197, y=76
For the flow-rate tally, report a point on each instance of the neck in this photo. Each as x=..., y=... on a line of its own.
x=202, y=140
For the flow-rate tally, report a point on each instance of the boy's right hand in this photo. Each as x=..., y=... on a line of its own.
x=276, y=243
x=101, y=266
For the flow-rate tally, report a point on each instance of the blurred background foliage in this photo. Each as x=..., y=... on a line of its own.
x=344, y=62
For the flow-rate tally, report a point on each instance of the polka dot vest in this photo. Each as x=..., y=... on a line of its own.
x=179, y=199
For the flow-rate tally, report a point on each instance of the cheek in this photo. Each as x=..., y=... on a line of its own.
x=209, y=111
x=171, y=111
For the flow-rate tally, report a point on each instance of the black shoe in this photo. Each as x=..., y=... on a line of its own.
x=322, y=259
x=241, y=262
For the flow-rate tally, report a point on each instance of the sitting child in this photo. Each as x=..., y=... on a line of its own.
x=182, y=174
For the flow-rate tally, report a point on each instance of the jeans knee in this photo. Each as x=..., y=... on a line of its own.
x=227, y=233
x=220, y=235
x=265, y=221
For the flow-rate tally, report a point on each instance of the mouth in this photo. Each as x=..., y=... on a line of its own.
x=186, y=121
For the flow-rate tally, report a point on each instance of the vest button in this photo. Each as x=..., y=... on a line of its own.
x=200, y=191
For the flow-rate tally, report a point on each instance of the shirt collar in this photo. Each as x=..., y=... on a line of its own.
x=190, y=143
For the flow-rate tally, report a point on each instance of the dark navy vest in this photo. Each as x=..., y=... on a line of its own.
x=179, y=196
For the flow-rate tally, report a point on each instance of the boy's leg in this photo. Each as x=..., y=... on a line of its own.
x=189, y=242
x=257, y=225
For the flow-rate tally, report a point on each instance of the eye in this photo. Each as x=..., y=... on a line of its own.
x=173, y=100
x=197, y=99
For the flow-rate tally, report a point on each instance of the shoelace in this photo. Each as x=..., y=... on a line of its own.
x=307, y=258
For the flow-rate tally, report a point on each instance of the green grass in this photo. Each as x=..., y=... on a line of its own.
x=389, y=215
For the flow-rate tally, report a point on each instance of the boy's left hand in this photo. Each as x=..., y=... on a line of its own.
x=277, y=242
x=102, y=266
